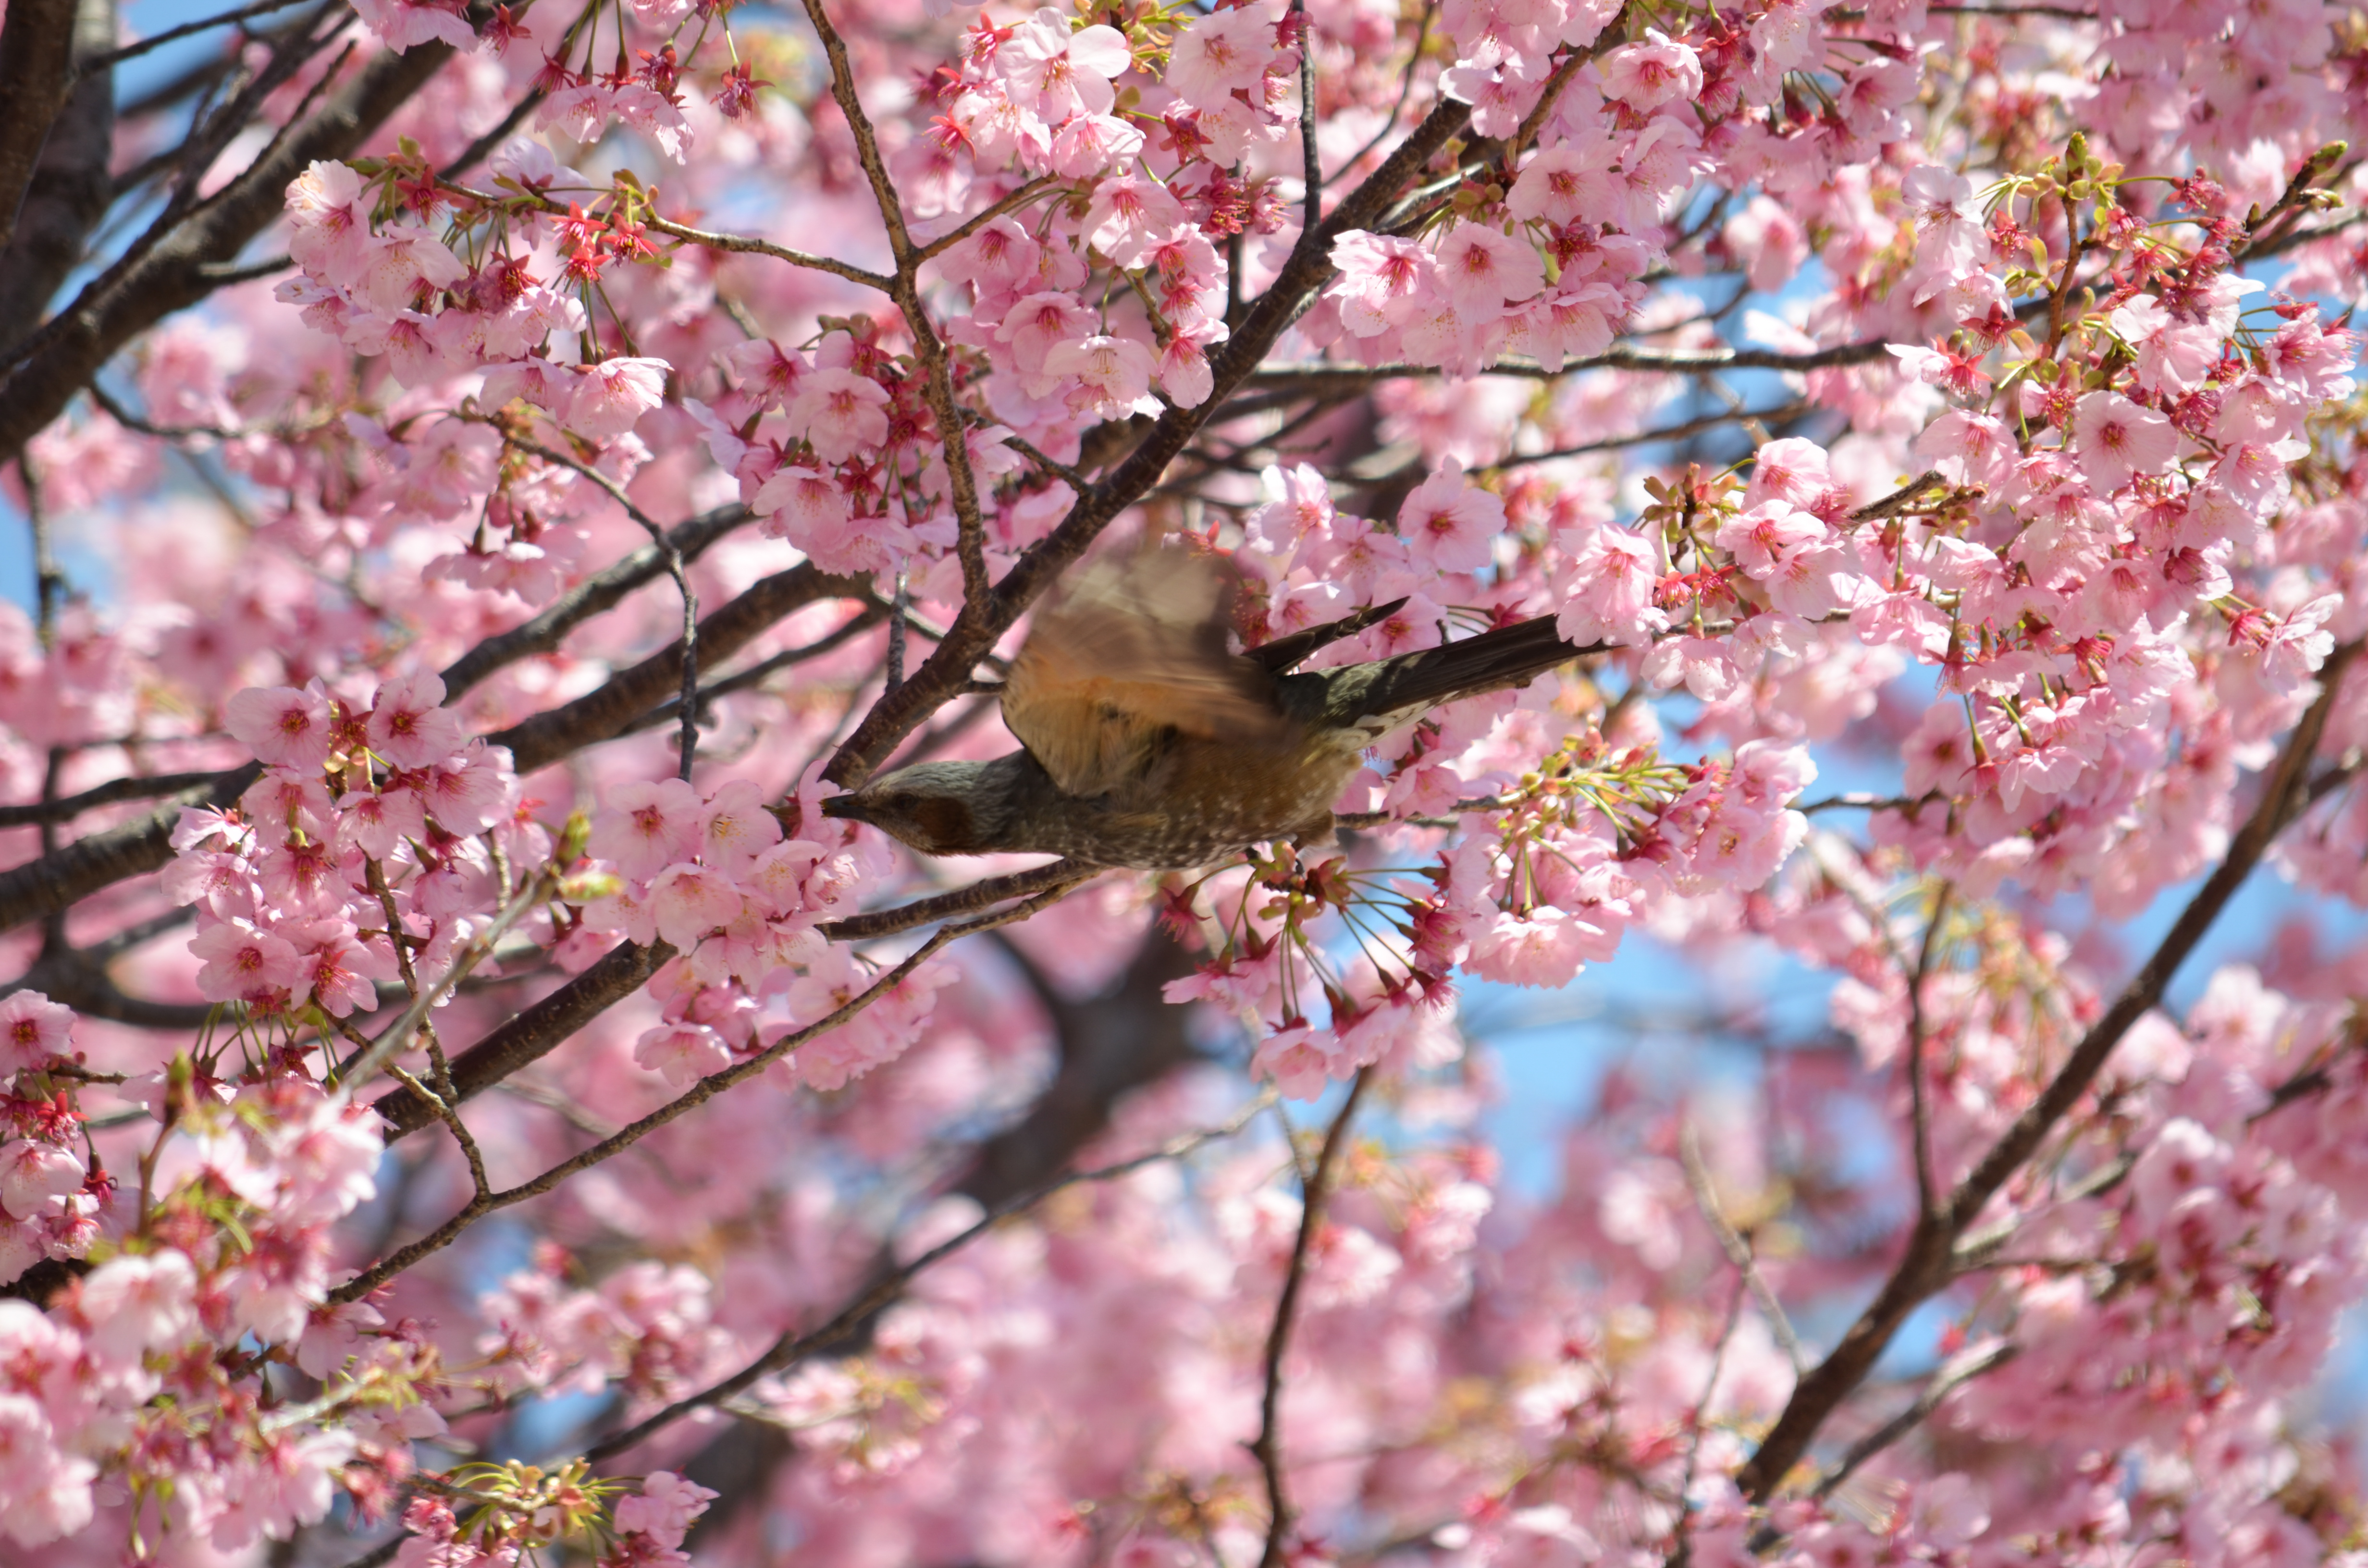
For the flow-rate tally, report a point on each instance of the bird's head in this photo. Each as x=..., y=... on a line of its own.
x=938, y=808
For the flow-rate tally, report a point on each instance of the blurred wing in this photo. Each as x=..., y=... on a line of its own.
x=1135, y=649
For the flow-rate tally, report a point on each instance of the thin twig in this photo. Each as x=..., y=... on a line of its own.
x=99, y=63
x=116, y=411
x=1783, y=413
x=1076, y=477
x=1860, y=802
x=977, y=221
x=708, y=239
x=699, y=1094
x=1682, y=1553
x=962, y=900
x=1268, y=1447
x=756, y=673
x=793, y=1347
x=1919, y=1112
x=687, y=744
x=1944, y=1383
x=1310, y=166
x=1738, y=1250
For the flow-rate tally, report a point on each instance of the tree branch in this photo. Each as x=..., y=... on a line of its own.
x=962, y=901
x=174, y=35
x=1944, y=1383
x=848, y=1320
x=171, y=275
x=707, y=239
x=699, y=1094
x=1737, y=1250
x=1268, y=1447
x=113, y=793
x=602, y=591
x=60, y=138
x=1928, y=1265
x=36, y=72
x=534, y=1032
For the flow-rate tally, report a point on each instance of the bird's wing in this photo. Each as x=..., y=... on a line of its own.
x=1286, y=654
x=1387, y=692
x=1134, y=649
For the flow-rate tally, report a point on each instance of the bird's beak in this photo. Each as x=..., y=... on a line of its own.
x=844, y=807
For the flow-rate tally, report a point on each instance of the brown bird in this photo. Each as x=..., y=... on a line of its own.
x=1148, y=743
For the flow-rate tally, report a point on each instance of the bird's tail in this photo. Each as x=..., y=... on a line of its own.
x=1410, y=683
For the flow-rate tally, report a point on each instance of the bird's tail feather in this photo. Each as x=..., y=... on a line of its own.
x=1511, y=655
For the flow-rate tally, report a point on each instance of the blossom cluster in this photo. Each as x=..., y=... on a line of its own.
x=131, y=1371
x=377, y=843
x=50, y=1198
x=738, y=899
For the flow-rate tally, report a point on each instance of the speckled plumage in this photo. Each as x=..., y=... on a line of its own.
x=1149, y=745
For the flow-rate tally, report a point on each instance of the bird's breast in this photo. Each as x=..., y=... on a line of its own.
x=1201, y=801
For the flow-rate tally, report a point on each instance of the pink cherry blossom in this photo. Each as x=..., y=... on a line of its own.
x=1608, y=594
x=1114, y=373
x=1127, y=214
x=840, y=412
x=1059, y=73
x=682, y=1054
x=1481, y=269
x=1558, y=185
x=282, y=726
x=33, y=1030
x=409, y=725
x=1646, y=75
x=32, y=1174
x=1449, y=524
x=1219, y=54
x=663, y=1508
x=1910, y=685
x=244, y=962
x=2118, y=440
x=688, y=902
x=647, y=827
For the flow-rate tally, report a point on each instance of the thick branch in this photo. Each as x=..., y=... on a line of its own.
x=113, y=793
x=49, y=213
x=1110, y=1045
x=533, y=1033
x=36, y=71
x=58, y=881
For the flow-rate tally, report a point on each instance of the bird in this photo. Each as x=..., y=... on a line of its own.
x=1148, y=743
